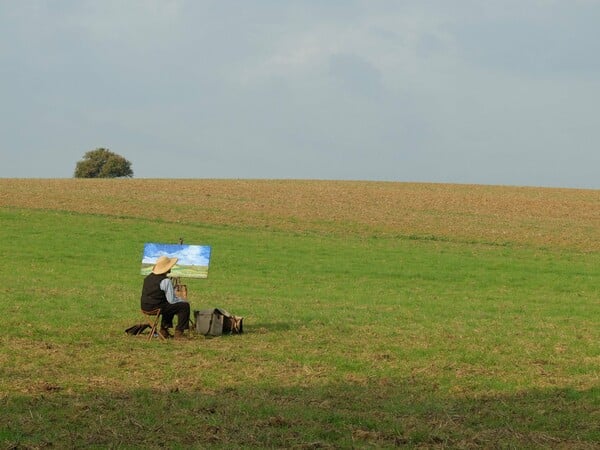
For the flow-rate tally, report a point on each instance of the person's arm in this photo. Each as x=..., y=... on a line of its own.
x=167, y=286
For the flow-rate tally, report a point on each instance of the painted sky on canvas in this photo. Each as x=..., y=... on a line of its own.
x=188, y=255
x=461, y=91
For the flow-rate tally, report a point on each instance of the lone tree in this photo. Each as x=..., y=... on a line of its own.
x=102, y=163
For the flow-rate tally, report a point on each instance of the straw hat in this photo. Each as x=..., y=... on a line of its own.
x=163, y=265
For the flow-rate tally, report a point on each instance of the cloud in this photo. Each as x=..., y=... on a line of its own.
x=552, y=47
x=353, y=89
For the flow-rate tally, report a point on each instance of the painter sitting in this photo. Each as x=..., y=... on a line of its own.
x=158, y=292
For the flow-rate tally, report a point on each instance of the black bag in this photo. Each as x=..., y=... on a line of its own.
x=215, y=322
x=137, y=329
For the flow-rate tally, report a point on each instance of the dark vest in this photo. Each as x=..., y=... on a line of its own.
x=152, y=295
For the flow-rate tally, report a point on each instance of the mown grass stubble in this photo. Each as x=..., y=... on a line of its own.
x=352, y=340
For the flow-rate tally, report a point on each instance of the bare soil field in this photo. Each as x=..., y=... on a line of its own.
x=545, y=217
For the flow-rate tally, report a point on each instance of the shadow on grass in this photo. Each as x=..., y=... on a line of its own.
x=255, y=328
x=345, y=415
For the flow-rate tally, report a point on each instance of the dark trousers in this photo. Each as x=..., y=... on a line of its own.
x=181, y=309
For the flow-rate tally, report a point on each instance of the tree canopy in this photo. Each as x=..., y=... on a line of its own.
x=102, y=163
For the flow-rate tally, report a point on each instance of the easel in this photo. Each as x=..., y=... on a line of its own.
x=181, y=291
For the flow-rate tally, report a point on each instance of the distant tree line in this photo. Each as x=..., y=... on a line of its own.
x=102, y=163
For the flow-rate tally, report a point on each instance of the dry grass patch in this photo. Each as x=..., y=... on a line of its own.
x=493, y=214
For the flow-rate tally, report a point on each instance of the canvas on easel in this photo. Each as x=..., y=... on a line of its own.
x=192, y=260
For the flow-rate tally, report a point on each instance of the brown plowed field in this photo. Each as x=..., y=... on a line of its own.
x=567, y=218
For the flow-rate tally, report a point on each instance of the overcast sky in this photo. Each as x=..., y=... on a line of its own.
x=487, y=92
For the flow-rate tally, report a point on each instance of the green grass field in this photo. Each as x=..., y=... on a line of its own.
x=351, y=341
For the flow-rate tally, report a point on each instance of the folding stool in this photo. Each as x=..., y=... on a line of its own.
x=153, y=318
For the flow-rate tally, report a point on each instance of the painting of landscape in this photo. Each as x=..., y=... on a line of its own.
x=193, y=260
